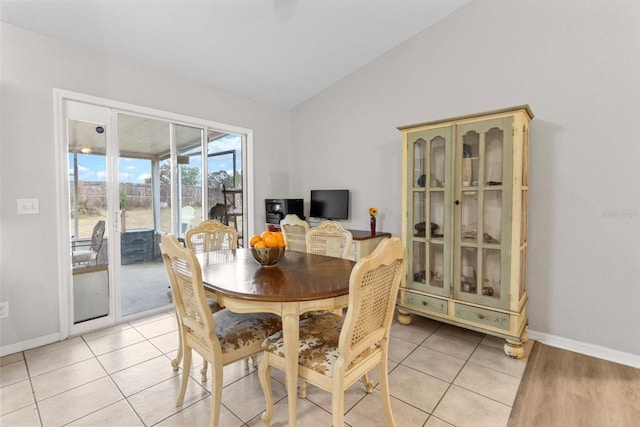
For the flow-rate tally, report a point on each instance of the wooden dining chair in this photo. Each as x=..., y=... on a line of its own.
x=221, y=338
x=294, y=230
x=329, y=238
x=210, y=235
x=335, y=351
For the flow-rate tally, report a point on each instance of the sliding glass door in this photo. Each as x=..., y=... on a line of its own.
x=144, y=192
x=131, y=178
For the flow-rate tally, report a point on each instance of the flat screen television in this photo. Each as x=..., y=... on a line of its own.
x=329, y=204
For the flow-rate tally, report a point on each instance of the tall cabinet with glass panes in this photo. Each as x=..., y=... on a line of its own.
x=464, y=199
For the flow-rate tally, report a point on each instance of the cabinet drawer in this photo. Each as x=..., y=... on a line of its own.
x=424, y=302
x=137, y=241
x=482, y=316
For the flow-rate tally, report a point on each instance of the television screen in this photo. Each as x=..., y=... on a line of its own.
x=329, y=204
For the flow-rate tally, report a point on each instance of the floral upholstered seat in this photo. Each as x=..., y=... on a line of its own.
x=319, y=339
x=236, y=330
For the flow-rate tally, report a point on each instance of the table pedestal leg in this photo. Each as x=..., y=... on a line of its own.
x=291, y=333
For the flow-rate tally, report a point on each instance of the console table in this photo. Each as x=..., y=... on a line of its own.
x=364, y=243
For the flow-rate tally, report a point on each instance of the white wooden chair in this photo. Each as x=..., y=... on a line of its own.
x=336, y=351
x=329, y=238
x=211, y=235
x=206, y=237
x=294, y=231
x=186, y=215
x=221, y=338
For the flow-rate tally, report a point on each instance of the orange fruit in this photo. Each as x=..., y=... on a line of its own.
x=254, y=239
x=272, y=241
x=280, y=237
x=265, y=234
x=260, y=244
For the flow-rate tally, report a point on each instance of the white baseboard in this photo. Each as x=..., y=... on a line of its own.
x=593, y=350
x=28, y=345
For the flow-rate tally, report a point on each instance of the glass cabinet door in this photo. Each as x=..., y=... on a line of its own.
x=482, y=200
x=430, y=213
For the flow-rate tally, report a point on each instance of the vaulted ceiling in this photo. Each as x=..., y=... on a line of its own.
x=281, y=52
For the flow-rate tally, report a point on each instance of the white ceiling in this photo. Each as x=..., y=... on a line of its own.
x=281, y=52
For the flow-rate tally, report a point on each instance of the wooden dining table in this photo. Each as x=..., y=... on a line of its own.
x=298, y=283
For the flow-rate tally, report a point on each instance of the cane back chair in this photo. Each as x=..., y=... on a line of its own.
x=336, y=351
x=329, y=238
x=294, y=231
x=221, y=338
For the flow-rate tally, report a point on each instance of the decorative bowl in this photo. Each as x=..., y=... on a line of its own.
x=267, y=257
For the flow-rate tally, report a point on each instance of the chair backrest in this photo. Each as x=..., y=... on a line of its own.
x=329, y=238
x=187, y=290
x=211, y=235
x=373, y=290
x=97, y=237
x=294, y=231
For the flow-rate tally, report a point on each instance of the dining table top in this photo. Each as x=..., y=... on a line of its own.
x=298, y=276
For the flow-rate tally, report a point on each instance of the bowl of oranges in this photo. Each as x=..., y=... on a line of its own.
x=267, y=248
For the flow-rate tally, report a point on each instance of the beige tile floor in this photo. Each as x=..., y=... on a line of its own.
x=439, y=375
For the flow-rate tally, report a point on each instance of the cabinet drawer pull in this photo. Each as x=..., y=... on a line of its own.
x=480, y=316
x=424, y=303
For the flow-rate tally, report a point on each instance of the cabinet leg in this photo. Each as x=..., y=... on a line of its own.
x=513, y=348
x=404, y=318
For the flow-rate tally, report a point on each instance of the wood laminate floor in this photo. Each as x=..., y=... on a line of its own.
x=563, y=388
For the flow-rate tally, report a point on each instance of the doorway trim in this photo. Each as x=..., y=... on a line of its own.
x=63, y=243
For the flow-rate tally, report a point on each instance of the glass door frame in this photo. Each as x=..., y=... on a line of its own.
x=61, y=98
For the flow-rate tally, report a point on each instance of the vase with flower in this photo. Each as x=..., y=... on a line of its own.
x=373, y=212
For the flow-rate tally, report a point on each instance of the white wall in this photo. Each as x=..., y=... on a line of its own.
x=577, y=64
x=31, y=66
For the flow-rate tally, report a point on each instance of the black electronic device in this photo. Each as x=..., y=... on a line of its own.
x=329, y=204
x=277, y=209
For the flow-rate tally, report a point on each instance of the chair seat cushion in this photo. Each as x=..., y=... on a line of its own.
x=236, y=330
x=83, y=255
x=318, y=348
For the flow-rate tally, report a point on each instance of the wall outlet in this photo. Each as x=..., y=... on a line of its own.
x=4, y=309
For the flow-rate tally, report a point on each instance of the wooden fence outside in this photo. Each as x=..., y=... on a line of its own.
x=92, y=196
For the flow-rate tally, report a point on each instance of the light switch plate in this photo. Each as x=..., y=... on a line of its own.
x=28, y=206
x=4, y=309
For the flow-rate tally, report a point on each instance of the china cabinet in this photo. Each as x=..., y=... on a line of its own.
x=465, y=193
